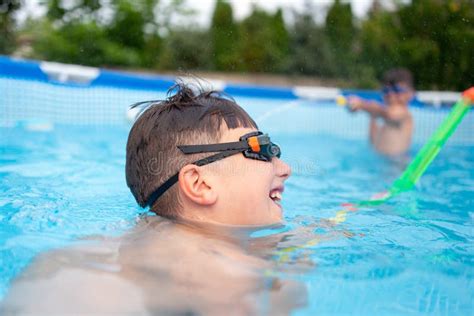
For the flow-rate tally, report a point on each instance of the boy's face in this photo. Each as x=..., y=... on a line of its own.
x=398, y=95
x=249, y=191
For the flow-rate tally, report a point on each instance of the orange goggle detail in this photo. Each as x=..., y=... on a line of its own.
x=260, y=147
x=254, y=144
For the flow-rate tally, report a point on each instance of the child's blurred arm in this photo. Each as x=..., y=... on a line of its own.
x=375, y=109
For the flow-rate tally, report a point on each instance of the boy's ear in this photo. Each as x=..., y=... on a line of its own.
x=196, y=186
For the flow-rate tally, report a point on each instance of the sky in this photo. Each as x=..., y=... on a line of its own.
x=241, y=8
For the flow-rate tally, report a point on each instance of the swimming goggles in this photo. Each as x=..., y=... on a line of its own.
x=393, y=89
x=254, y=145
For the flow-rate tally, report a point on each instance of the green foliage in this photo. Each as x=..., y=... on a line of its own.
x=280, y=35
x=83, y=43
x=224, y=35
x=55, y=11
x=7, y=25
x=76, y=10
x=378, y=35
x=339, y=26
x=78, y=34
x=128, y=25
x=432, y=38
x=151, y=51
x=435, y=39
x=340, y=33
x=254, y=51
x=260, y=42
x=186, y=50
x=444, y=38
x=309, y=48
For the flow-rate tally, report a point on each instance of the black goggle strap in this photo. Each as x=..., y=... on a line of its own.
x=249, y=142
x=197, y=149
x=171, y=181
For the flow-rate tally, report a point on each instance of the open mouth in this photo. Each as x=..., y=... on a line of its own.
x=276, y=195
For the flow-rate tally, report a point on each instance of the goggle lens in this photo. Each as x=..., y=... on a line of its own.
x=393, y=89
x=260, y=147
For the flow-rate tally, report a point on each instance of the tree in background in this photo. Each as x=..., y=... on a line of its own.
x=340, y=32
x=281, y=38
x=378, y=40
x=7, y=25
x=79, y=9
x=74, y=32
x=309, y=52
x=186, y=50
x=128, y=24
x=261, y=38
x=77, y=31
x=79, y=43
x=434, y=39
x=135, y=26
x=437, y=42
x=224, y=37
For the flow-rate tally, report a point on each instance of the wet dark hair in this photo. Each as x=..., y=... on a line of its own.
x=397, y=75
x=188, y=116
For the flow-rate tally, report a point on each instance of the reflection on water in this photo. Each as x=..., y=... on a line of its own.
x=170, y=268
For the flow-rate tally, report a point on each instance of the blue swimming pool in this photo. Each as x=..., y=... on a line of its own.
x=62, y=179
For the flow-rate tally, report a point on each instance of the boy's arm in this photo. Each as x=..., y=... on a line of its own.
x=375, y=109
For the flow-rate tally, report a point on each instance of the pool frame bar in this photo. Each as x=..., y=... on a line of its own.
x=75, y=75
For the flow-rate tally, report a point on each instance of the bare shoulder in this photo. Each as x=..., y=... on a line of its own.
x=80, y=254
x=72, y=290
x=398, y=113
x=58, y=282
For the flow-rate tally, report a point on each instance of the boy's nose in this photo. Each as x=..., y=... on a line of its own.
x=282, y=168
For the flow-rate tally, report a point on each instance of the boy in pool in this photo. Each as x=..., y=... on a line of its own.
x=391, y=136
x=198, y=161
x=201, y=158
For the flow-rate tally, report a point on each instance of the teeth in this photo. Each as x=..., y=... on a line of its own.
x=276, y=195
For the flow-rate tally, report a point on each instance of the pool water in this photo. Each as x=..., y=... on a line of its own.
x=412, y=255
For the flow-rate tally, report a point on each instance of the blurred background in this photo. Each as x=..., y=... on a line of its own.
x=342, y=43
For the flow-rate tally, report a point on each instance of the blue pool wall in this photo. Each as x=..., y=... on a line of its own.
x=31, y=70
x=34, y=99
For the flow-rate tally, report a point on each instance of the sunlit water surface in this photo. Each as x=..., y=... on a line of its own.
x=412, y=255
